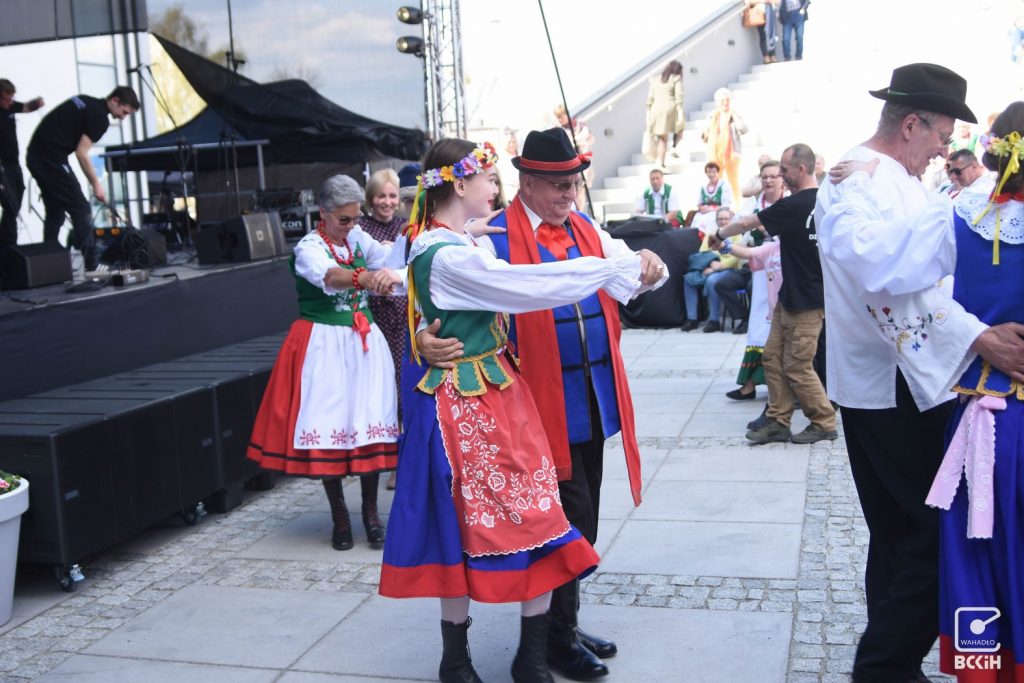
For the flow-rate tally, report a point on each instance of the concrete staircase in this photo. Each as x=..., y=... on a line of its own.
x=775, y=103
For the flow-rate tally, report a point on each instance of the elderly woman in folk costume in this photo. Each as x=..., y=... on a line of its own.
x=722, y=136
x=477, y=513
x=330, y=408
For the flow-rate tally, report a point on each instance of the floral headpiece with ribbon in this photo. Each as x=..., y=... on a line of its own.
x=480, y=159
x=1011, y=146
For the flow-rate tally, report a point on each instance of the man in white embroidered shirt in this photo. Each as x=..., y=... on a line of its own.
x=896, y=342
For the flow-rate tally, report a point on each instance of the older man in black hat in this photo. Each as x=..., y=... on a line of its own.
x=894, y=350
x=570, y=359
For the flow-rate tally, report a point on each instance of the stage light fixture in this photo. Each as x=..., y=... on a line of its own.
x=410, y=15
x=410, y=45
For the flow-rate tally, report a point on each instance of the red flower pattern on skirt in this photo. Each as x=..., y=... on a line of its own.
x=504, y=481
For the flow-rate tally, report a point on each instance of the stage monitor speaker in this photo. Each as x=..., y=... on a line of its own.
x=145, y=248
x=24, y=266
x=254, y=236
x=210, y=247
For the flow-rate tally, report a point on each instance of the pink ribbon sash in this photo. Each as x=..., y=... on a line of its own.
x=972, y=451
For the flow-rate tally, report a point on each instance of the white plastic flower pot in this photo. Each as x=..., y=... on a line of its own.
x=12, y=506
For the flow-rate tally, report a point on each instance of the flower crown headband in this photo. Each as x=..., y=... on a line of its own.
x=481, y=158
x=1010, y=146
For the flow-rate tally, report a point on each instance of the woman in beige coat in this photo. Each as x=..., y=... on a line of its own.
x=665, y=107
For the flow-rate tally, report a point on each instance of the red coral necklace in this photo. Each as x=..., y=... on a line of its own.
x=330, y=245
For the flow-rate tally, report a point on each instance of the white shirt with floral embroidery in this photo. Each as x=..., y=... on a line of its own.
x=887, y=253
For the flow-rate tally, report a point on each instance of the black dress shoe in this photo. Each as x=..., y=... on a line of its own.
x=599, y=646
x=690, y=326
x=738, y=395
x=574, y=661
x=742, y=329
x=712, y=326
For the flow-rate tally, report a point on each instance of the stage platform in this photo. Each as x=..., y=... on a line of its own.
x=51, y=338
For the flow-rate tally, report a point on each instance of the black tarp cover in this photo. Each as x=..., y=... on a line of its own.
x=302, y=125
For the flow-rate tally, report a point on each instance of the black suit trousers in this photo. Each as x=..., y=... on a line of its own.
x=894, y=456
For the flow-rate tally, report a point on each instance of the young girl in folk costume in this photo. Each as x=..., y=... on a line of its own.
x=982, y=522
x=713, y=196
x=477, y=513
x=330, y=407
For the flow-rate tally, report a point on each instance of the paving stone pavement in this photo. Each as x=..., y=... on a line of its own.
x=687, y=430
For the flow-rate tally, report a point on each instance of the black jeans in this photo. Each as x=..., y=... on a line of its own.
x=10, y=201
x=894, y=455
x=581, y=500
x=62, y=195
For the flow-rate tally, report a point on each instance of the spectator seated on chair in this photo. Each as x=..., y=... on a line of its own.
x=714, y=195
x=707, y=267
x=657, y=200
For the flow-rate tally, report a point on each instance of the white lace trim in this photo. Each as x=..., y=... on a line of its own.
x=968, y=205
x=438, y=236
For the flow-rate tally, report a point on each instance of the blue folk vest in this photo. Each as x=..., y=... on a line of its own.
x=577, y=357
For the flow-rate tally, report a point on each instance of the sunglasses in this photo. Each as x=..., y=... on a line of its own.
x=954, y=171
x=345, y=221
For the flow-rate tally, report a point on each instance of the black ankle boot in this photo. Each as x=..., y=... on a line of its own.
x=374, y=527
x=456, y=664
x=341, y=536
x=369, y=483
x=530, y=664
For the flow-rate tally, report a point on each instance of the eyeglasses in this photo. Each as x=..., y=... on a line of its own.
x=953, y=171
x=563, y=186
x=771, y=176
x=345, y=221
x=946, y=141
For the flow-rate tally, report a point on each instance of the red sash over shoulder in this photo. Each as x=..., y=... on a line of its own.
x=537, y=343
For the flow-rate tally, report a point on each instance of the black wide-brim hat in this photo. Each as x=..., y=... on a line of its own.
x=549, y=152
x=929, y=87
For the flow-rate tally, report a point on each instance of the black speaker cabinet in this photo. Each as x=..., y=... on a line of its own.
x=24, y=266
x=254, y=236
x=134, y=248
x=210, y=245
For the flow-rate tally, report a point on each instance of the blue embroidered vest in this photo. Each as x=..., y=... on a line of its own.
x=582, y=353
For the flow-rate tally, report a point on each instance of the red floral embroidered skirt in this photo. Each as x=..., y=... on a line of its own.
x=476, y=509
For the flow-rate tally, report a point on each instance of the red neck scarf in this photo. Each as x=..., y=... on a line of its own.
x=541, y=366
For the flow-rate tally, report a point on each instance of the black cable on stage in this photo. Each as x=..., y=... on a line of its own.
x=558, y=77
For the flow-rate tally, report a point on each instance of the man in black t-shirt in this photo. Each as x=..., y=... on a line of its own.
x=797, y=321
x=12, y=183
x=73, y=127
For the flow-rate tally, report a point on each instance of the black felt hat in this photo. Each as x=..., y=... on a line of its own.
x=929, y=87
x=549, y=152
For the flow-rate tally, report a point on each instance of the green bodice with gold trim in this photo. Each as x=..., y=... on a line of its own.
x=482, y=333
x=332, y=309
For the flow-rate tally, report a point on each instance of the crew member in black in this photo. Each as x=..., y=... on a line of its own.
x=74, y=126
x=12, y=183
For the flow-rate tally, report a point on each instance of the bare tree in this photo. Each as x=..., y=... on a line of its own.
x=301, y=71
